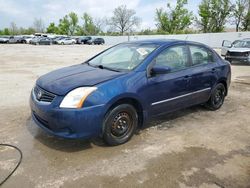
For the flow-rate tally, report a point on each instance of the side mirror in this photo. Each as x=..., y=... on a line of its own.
x=226, y=44
x=157, y=69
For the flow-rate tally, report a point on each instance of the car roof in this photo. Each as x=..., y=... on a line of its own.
x=162, y=42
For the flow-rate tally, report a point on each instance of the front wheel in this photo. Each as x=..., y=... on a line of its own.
x=217, y=97
x=120, y=124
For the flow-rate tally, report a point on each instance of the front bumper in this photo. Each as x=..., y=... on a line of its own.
x=238, y=58
x=67, y=123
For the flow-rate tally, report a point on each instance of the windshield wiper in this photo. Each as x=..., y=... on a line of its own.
x=107, y=68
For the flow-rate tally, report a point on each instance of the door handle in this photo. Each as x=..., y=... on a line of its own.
x=214, y=70
x=187, y=77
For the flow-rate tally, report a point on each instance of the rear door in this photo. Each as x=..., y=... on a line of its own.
x=203, y=73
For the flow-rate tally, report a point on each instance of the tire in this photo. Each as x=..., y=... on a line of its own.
x=120, y=124
x=217, y=97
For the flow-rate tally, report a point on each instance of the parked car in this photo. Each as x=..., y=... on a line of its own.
x=66, y=41
x=56, y=39
x=27, y=39
x=45, y=41
x=15, y=39
x=35, y=40
x=83, y=40
x=239, y=50
x=4, y=39
x=120, y=89
x=98, y=41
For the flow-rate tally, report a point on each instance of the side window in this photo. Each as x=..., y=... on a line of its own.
x=201, y=55
x=174, y=57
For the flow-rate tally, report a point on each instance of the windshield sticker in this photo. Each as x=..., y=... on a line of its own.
x=142, y=51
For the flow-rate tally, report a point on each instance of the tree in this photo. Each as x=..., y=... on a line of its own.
x=38, y=25
x=238, y=13
x=13, y=29
x=64, y=25
x=174, y=20
x=6, y=31
x=213, y=15
x=89, y=27
x=73, y=21
x=246, y=19
x=52, y=28
x=124, y=19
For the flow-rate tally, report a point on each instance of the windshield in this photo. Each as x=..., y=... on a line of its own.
x=123, y=57
x=242, y=44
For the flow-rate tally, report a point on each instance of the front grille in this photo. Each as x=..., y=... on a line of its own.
x=42, y=121
x=42, y=95
x=237, y=53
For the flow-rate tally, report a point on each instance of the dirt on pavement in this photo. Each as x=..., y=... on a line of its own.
x=189, y=148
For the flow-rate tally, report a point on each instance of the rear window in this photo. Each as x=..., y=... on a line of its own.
x=201, y=55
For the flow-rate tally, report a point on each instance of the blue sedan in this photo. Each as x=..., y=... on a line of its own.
x=121, y=88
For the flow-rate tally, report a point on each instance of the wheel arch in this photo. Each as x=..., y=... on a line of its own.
x=132, y=101
x=224, y=82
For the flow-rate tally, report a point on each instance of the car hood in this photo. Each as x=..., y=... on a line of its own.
x=239, y=50
x=61, y=81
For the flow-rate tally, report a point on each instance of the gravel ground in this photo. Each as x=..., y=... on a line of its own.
x=189, y=148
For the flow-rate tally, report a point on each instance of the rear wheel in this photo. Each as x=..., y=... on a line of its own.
x=217, y=97
x=120, y=124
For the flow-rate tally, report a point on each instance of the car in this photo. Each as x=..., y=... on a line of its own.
x=57, y=38
x=45, y=41
x=4, y=39
x=83, y=40
x=120, y=89
x=239, y=50
x=15, y=39
x=66, y=40
x=27, y=39
x=98, y=41
x=35, y=40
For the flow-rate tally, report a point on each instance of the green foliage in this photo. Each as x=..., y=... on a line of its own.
x=246, y=19
x=174, y=19
x=73, y=21
x=213, y=15
x=246, y=22
x=5, y=31
x=52, y=28
x=64, y=25
x=147, y=32
x=89, y=28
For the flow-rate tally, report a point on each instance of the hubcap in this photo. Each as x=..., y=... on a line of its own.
x=121, y=125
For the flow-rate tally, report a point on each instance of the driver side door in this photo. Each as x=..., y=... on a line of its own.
x=167, y=92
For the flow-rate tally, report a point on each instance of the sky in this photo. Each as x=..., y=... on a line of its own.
x=23, y=12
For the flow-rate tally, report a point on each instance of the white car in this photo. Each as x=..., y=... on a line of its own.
x=66, y=41
x=28, y=39
x=4, y=39
x=239, y=50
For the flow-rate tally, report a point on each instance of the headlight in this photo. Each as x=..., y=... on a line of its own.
x=76, y=97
